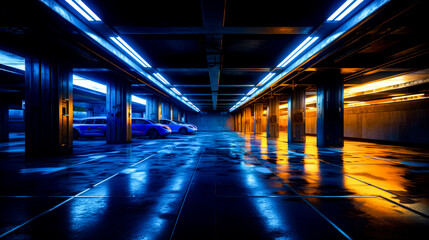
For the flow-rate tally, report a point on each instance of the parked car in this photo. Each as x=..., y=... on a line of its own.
x=179, y=127
x=96, y=127
x=142, y=126
x=90, y=127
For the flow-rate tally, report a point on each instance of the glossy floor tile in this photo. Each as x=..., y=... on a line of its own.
x=222, y=185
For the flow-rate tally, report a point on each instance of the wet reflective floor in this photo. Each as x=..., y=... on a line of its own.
x=222, y=185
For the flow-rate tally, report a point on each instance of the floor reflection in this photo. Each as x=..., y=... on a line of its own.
x=220, y=185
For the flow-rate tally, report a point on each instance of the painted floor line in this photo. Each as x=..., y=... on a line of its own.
x=69, y=199
x=305, y=200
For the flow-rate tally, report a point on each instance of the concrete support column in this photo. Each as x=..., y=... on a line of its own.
x=165, y=110
x=4, y=122
x=296, y=116
x=248, y=118
x=330, y=109
x=242, y=121
x=153, y=108
x=118, y=106
x=273, y=113
x=175, y=114
x=237, y=119
x=48, y=106
x=258, y=115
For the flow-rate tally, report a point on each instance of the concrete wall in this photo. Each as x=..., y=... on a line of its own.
x=208, y=121
x=406, y=122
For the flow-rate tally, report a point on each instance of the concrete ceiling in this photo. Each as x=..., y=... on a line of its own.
x=214, y=52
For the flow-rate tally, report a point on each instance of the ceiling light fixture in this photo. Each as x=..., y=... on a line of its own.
x=327, y=40
x=341, y=13
x=266, y=78
x=176, y=91
x=161, y=78
x=122, y=44
x=304, y=45
x=84, y=10
x=252, y=91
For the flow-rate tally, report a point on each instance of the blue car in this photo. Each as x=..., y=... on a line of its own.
x=179, y=127
x=147, y=127
x=96, y=127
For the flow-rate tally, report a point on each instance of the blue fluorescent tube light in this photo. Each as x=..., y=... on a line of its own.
x=176, y=91
x=88, y=10
x=132, y=50
x=251, y=91
x=184, y=98
x=345, y=9
x=84, y=10
x=348, y=10
x=161, y=78
x=294, y=51
x=339, y=10
x=122, y=44
x=266, y=78
x=300, y=51
x=308, y=42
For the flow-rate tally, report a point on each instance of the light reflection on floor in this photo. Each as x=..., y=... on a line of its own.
x=243, y=186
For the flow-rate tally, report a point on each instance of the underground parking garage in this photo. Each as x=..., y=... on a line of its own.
x=207, y=119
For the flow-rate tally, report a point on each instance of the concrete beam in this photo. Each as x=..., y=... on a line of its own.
x=212, y=30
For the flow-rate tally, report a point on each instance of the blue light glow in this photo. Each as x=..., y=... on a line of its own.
x=251, y=91
x=339, y=10
x=84, y=10
x=101, y=88
x=266, y=78
x=184, y=98
x=161, y=78
x=348, y=10
x=122, y=44
x=353, y=21
x=308, y=42
x=86, y=29
x=176, y=91
x=294, y=51
x=342, y=11
x=88, y=10
x=12, y=60
x=138, y=100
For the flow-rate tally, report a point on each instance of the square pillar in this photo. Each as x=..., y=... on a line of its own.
x=296, y=116
x=247, y=119
x=48, y=106
x=273, y=112
x=258, y=115
x=165, y=110
x=175, y=114
x=237, y=122
x=118, y=106
x=242, y=121
x=153, y=108
x=4, y=122
x=330, y=109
